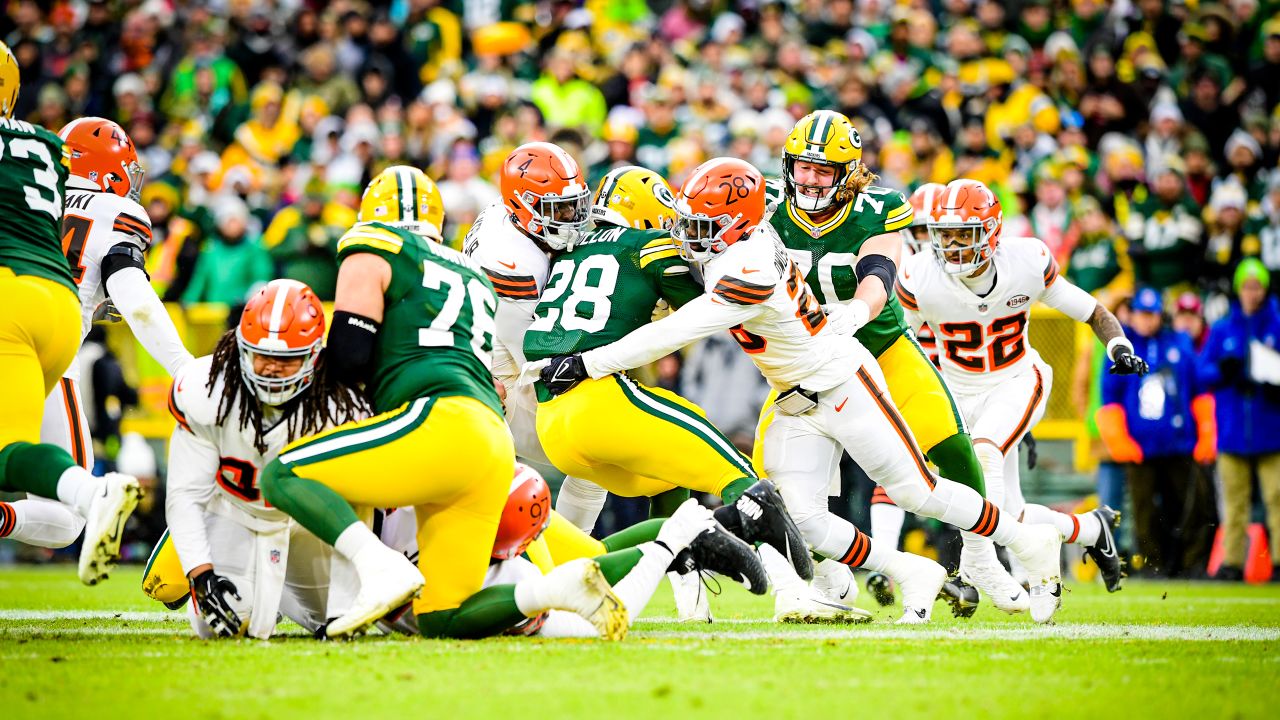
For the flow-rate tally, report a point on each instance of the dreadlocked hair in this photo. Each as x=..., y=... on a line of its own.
x=325, y=402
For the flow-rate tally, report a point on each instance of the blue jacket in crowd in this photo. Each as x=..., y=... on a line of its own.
x=1248, y=417
x=1157, y=406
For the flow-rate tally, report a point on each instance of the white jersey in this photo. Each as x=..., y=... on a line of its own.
x=754, y=290
x=518, y=269
x=982, y=340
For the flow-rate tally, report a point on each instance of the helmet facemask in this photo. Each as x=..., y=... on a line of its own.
x=558, y=220
x=961, y=247
x=277, y=390
x=827, y=195
x=700, y=235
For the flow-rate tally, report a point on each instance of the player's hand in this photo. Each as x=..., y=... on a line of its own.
x=107, y=313
x=211, y=592
x=563, y=372
x=1126, y=363
x=847, y=319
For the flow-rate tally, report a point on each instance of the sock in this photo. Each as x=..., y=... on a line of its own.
x=957, y=462
x=993, y=467
x=615, y=565
x=978, y=550
x=886, y=524
x=641, y=532
x=316, y=507
x=580, y=502
x=33, y=468
x=41, y=523
x=1082, y=529
x=664, y=504
x=782, y=576
x=489, y=612
x=637, y=586
x=78, y=487
x=734, y=490
x=356, y=538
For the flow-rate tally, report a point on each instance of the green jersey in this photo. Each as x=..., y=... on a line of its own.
x=826, y=252
x=604, y=288
x=33, y=181
x=437, y=325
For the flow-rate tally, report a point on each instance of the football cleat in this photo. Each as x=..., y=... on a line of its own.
x=835, y=581
x=579, y=587
x=387, y=581
x=914, y=616
x=880, y=587
x=692, y=603
x=920, y=580
x=1039, y=549
x=104, y=526
x=1103, y=552
x=803, y=604
x=760, y=515
x=1046, y=598
x=718, y=551
x=989, y=576
x=961, y=596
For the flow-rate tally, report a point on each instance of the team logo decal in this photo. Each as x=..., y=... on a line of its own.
x=1018, y=301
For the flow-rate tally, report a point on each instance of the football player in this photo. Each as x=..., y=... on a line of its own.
x=842, y=231
x=262, y=388
x=976, y=289
x=414, y=320
x=40, y=333
x=831, y=395
x=633, y=561
x=655, y=442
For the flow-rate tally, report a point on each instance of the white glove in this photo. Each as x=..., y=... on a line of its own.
x=530, y=372
x=847, y=319
x=688, y=522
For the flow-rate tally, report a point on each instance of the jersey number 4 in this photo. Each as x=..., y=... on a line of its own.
x=75, y=233
x=1005, y=340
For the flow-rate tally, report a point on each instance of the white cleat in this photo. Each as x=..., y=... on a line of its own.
x=104, y=526
x=920, y=580
x=914, y=616
x=1039, y=549
x=579, y=587
x=834, y=581
x=387, y=581
x=691, y=599
x=804, y=604
x=990, y=577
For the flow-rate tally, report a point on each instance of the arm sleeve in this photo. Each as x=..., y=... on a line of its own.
x=137, y=301
x=1067, y=298
x=699, y=318
x=193, y=463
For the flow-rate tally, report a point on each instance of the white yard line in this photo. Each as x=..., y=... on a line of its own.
x=1178, y=633
x=38, y=615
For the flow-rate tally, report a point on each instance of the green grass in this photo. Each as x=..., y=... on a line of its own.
x=1153, y=650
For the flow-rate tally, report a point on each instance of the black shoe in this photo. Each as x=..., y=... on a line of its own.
x=881, y=588
x=1103, y=552
x=761, y=516
x=1229, y=573
x=719, y=551
x=961, y=596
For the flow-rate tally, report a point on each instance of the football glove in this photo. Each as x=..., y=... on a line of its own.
x=563, y=372
x=847, y=319
x=1126, y=363
x=107, y=313
x=1032, y=456
x=210, y=592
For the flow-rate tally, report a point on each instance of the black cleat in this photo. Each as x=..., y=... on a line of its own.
x=1104, y=552
x=961, y=596
x=881, y=588
x=719, y=551
x=760, y=515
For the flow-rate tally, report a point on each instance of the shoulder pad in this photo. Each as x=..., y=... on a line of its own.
x=370, y=236
x=515, y=265
x=191, y=403
x=659, y=247
x=748, y=271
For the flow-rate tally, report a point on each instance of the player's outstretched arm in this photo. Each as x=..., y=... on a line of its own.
x=876, y=269
x=1062, y=295
x=130, y=291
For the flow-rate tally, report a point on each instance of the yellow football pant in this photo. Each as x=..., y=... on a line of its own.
x=451, y=458
x=39, y=337
x=918, y=392
x=636, y=441
x=163, y=579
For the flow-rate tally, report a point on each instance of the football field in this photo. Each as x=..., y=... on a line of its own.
x=1161, y=650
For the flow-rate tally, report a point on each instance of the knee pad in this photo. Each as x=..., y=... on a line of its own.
x=910, y=496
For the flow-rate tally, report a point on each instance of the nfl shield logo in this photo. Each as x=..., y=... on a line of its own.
x=275, y=557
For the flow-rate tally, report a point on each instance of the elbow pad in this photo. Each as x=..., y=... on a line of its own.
x=879, y=266
x=352, y=340
x=120, y=257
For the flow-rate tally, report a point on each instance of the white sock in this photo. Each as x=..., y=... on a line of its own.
x=357, y=538
x=978, y=550
x=78, y=487
x=44, y=523
x=782, y=576
x=880, y=556
x=638, y=586
x=1082, y=529
x=886, y=524
x=580, y=502
x=532, y=597
x=992, y=462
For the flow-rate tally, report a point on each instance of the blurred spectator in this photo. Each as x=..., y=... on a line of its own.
x=232, y=262
x=1164, y=230
x=1227, y=242
x=1099, y=263
x=1188, y=319
x=1161, y=425
x=565, y=99
x=303, y=239
x=1241, y=364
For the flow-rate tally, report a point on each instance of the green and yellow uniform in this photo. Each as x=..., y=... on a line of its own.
x=654, y=441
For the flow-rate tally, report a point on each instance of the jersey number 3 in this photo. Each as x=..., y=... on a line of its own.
x=1005, y=339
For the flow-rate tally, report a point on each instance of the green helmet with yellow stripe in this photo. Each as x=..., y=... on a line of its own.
x=823, y=137
x=403, y=196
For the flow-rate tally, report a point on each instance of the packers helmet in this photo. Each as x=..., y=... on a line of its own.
x=404, y=197
x=632, y=196
x=824, y=137
x=9, y=77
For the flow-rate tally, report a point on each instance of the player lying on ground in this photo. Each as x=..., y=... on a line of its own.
x=40, y=332
x=534, y=541
x=831, y=392
x=976, y=289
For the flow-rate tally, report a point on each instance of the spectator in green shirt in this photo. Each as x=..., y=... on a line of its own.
x=232, y=263
x=566, y=100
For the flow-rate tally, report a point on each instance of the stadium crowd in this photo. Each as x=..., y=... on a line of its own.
x=1140, y=139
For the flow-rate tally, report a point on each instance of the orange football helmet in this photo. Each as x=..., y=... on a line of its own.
x=283, y=321
x=965, y=226
x=526, y=514
x=546, y=194
x=720, y=204
x=103, y=155
x=922, y=201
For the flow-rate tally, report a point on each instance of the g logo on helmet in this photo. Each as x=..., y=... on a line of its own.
x=854, y=138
